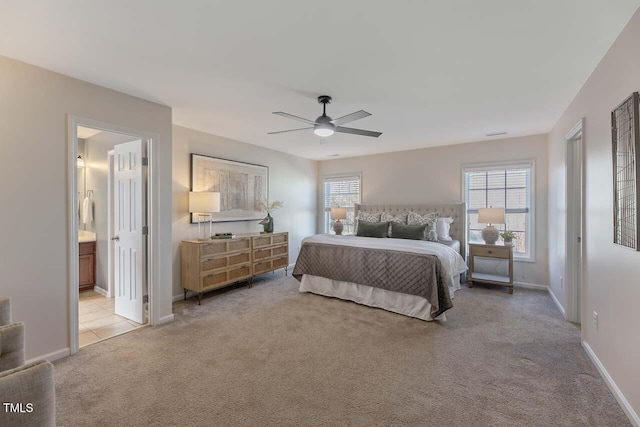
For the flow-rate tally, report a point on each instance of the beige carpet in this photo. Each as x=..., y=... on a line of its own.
x=269, y=356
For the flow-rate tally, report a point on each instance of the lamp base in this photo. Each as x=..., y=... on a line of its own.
x=490, y=235
x=338, y=227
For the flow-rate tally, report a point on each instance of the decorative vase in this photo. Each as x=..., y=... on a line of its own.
x=267, y=223
x=508, y=241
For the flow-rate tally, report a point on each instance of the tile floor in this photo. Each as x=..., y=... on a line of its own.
x=98, y=320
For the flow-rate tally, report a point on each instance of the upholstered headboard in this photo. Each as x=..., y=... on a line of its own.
x=457, y=211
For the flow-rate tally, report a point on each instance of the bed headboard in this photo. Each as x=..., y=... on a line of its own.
x=457, y=211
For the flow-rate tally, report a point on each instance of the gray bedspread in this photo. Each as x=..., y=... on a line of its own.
x=405, y=272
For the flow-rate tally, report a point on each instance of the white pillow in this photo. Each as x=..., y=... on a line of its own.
x=442, y=228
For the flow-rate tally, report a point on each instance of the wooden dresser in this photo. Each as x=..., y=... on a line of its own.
x=212, y=264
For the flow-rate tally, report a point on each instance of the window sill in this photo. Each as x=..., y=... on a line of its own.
x=523, y=259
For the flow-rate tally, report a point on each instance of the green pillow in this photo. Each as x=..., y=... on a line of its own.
x=372, y=229
x=413, y=232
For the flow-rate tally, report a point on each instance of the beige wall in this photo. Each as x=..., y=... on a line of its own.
x=34, y=213
x=291, y=179
x=611, y=283
x=435, y=175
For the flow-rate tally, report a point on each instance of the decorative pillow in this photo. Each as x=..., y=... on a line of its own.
x=372, y=229
x=365, y=216
x=413, y=232
x=398, y=219
x=430, y=220
x=442, y=228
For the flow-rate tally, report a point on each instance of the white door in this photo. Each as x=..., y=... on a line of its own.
x=129, y=239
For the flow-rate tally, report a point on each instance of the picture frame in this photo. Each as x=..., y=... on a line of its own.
x=625, y=136
x=241, y=185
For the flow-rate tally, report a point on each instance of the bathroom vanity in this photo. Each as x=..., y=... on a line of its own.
x=87, y=260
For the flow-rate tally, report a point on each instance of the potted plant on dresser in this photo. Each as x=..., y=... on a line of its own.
x=508, y=237
x=267, y=207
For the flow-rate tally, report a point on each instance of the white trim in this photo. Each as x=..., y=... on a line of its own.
x=97, y=289
x=166, y=319
x=55, y=355
x=555, y=300
x=573, y=281
x=613, y=387
x=72, y=174
x=178, y=297
x=576, y=131
x=531, y=286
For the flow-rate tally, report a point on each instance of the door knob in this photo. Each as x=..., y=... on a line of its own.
x=116, y=238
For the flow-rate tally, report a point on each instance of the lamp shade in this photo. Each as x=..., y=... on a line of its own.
x=338, y=213
x=204, y=202
x=491, y=215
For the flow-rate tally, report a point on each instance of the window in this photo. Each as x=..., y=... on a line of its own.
x=502, y=186
x=342, y=192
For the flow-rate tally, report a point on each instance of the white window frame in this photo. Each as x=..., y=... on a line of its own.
x=528, y=256
x=338, y=177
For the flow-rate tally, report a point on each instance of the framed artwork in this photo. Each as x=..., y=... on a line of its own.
x=625, y=129
x=241, y=185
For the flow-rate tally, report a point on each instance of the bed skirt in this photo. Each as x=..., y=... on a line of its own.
x=396, y=302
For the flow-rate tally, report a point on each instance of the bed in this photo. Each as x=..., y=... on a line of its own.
x=414, y=278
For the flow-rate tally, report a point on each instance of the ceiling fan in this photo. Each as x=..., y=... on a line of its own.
x=326, y=126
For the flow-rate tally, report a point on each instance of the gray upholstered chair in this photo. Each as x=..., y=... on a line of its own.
x=11, y=338
x=30, y=392
x=27, y=391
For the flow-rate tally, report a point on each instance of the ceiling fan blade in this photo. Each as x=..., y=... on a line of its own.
x=291, y=116
x=343, y=129
x=350, y=118
x=290, y=130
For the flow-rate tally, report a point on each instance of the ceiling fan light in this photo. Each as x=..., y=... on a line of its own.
x=324, y=129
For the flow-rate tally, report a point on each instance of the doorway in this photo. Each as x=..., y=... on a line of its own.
x=109, y=266
x=574, y=223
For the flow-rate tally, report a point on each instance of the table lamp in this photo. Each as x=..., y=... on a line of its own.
x=338, y=214
x=490, y=216
x=204, y=204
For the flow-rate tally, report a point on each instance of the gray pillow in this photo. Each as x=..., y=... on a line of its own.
x=413, y=232
x=372, y=229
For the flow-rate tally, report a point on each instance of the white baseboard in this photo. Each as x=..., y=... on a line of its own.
x=166, y=319
x=530, y=286
x=97, y=289
x=58, y=354
x=624, y=403
x=555, y=300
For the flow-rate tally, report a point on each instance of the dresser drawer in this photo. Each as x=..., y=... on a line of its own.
x=260, y=254
x=496, y=252
x=221, y=278
x=270, y=264
x=224, y=246
x=224, y=261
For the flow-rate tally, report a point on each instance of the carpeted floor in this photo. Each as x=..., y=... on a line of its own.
x=269, y=356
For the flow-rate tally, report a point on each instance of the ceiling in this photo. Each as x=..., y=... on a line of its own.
x=431, y=72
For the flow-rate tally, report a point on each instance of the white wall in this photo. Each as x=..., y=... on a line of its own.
x=611, y=284
x=435, y=175
x=34, y=212
x=97, y=169
x=291, y=179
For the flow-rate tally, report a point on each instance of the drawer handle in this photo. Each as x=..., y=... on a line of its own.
x=490, y=252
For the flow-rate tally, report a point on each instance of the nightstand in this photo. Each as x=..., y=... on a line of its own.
x=495, y=252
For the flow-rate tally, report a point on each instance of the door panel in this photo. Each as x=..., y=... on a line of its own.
x=129, y=262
